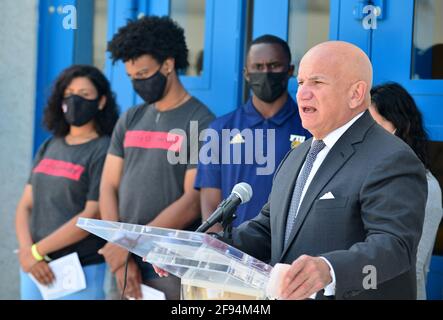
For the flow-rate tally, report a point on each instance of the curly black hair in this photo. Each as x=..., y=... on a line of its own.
x=159, y=37
x=105, y=119
x=397, y=106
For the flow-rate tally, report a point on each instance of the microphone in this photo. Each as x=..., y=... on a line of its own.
x=241, y=193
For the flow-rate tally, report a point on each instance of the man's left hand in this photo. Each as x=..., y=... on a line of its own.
x=306, y=276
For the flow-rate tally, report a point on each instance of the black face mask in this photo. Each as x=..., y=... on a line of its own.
x=78, y=110
x=150, y=89
x=268, y=86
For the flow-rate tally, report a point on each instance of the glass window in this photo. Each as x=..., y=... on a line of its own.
x=190, y=15
x=427, y=51
x=99, y=38
x=308, y=25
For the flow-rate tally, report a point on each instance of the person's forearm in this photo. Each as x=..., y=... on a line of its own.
x=180, y=213
x=108, y=203
x=22, y=226
x=207, y=210
x=64, y=236
x=210, y=199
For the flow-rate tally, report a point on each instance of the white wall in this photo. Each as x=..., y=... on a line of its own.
x=18, y=21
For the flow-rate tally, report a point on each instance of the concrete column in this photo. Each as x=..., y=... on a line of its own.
x=18, y=53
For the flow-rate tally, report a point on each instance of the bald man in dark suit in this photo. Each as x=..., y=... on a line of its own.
x=346, y=208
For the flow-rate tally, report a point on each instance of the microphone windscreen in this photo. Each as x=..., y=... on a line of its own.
x=243, y=190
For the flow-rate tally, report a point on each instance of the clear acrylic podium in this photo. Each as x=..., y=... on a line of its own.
x=208, y=268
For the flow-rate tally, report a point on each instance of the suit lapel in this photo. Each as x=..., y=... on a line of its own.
x=291, y=171
x=336, y=158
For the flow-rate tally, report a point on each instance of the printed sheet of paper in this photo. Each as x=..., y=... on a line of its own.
x=69, y=278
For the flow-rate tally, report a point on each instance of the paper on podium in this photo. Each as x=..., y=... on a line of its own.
x=149, y=293
x=191, y=256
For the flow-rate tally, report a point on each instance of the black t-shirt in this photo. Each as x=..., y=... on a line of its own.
x=63, y=178
x=143, y=138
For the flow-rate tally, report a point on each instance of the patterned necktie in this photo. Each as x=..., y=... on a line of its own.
x=316, y=147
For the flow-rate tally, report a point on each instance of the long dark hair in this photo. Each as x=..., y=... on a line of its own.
x=397, y=106
x=104, y=120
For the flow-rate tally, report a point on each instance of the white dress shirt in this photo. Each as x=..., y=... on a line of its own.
x=329, y=141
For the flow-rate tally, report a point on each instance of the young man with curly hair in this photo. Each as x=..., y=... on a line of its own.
x=139, y=184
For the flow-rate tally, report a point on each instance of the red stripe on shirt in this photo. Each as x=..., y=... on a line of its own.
x=153, y=140
x=60, y=168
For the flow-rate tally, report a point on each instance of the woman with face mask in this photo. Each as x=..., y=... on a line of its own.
x=64, y=183
x=395, y=110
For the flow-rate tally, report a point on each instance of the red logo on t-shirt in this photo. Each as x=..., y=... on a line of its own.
x=60, y=168
x=153, y=140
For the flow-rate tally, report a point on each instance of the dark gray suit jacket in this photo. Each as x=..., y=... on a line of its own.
x=376, y=217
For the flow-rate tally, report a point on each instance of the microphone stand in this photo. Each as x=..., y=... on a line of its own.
x=227, y=226
x=227, y=217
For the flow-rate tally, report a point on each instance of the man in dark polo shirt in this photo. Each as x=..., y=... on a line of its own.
x=141, y=182
x=268, y=125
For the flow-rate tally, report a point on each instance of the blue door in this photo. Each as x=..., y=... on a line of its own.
x=303, y=23
x=214, y=34
x=407, y=47
x=403, y=39
x=64, y=38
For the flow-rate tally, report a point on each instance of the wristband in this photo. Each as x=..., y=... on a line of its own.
x=35, y=253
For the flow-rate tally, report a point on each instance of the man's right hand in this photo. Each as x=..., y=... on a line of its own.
x=161, y=273
x=114, y=255
x=133, y=280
